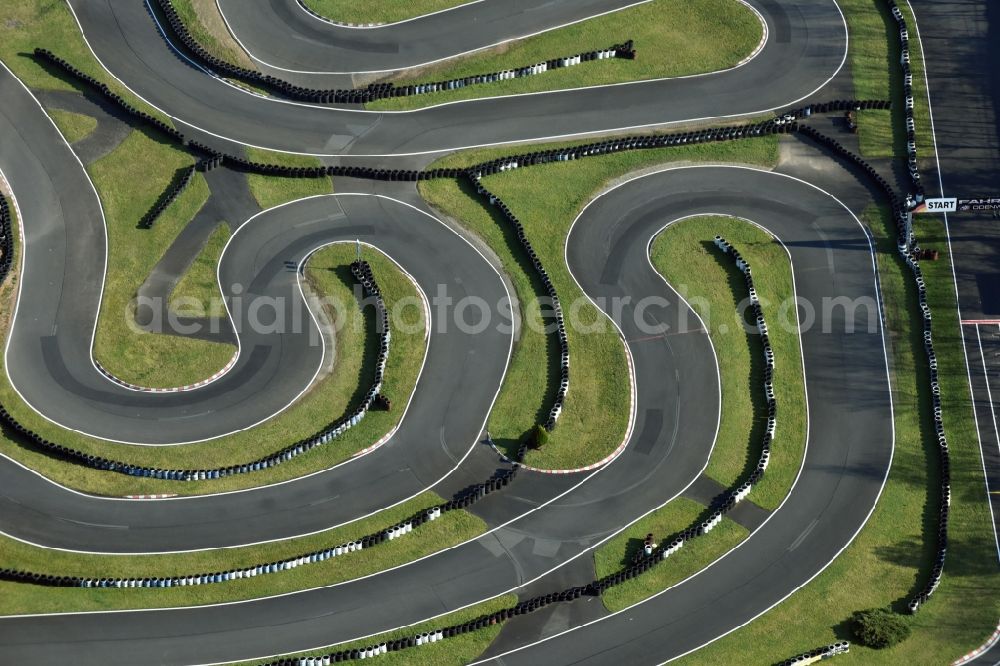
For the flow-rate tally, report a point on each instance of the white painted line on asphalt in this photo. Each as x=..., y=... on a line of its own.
x=794, y=484
x=570, y=490
x=296, y=479
x=559, y=137
x=954, y=278
x=989, y=392
x=353, y=26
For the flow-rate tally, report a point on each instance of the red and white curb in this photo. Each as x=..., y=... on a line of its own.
x=342, y=24
x=985, y=647
x=151, y=497
x=177, y=389
x=601, y=463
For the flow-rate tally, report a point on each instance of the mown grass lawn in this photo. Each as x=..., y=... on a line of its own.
x=329, y=276
x=696, y=554
x=684, y=250
x=270, y=191
x=891, y=557
x=74, y=126
x=873, y=54
x=547, y=199
x=205, y=23
x=451, y=528
x=672, y=37
x=378, y=11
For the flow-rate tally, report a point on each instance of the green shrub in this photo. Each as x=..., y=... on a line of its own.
x=879, y=627
x=538, y=437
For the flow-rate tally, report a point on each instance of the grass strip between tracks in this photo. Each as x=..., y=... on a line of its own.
x=672, y=37
x=378, y=11
x=328, y=273
x=675, y=517
x=873, y=54
x=74, y=126
x=547, y=199
x=456, y=651
x=451, y=528
x=883, y=565
x=270, y=191
x=205, y=23
x=681, y=251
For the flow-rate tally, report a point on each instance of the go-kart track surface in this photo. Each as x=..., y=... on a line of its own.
x=546, y=523
x=806, y=46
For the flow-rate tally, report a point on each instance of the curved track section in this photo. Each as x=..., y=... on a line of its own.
x=283, y=36
x=849, y=451
x=806, y=47
x=62, y=266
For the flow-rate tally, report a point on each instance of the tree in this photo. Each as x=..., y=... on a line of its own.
x=879, y=627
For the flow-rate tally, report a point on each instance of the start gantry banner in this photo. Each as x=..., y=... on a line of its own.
x=954, y=204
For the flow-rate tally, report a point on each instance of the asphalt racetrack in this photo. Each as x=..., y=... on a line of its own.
x=547, y=526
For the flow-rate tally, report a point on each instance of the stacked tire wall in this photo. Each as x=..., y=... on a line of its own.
x=557, y=404
x=167, y=198
x=6, y=239
x=363, y=274
x=375, y=91
x=911, y=252
x=911, y=126
x=113, y=97
x=818, y=654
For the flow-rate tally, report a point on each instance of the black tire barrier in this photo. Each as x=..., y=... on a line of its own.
x=321, y=555
x=816, y=654
x=910, y=252
x=6, y=239
x=363, y=274
x=786, y=123
x=168, y=197
x=106, y=92
x=904, y=50
x=475, y=176
x=374, y=91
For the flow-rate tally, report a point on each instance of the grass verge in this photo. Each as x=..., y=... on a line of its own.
x=676, y=516
x=133, y=355
x=699, y=37
x=456, y=651
x=874, y=57
x=378, y=11
x=205, y=23
x=686, y=249
x=547, y=199
x=328, y=272
x=74, y=126
x=198, y=288
x=452, y=528
x=270, y=191
x=890, y=557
